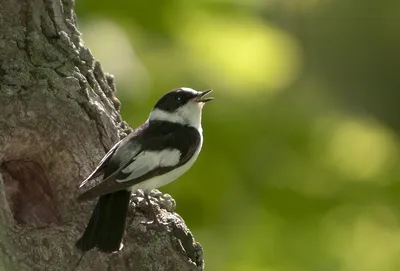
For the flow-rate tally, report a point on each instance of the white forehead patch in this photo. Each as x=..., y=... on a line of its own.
x=189, y=90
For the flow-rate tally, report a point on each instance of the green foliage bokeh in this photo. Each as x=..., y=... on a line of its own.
x=300, y=166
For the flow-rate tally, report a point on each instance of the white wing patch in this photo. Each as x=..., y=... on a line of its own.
x=149, y=160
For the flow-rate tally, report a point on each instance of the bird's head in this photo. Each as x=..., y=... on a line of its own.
x=182, y=105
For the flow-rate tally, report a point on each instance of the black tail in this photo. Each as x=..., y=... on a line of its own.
x=107, y=224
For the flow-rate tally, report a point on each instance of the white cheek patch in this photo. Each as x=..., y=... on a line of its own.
x=149, y=160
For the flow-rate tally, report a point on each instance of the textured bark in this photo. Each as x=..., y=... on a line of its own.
x=58, y=117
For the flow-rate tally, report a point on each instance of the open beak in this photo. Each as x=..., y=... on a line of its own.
x=201, y=99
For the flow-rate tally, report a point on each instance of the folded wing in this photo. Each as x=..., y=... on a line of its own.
x=131, y=163
x=137, y=169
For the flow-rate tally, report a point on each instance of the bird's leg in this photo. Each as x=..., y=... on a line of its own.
x=151, y=209
x=155, y=221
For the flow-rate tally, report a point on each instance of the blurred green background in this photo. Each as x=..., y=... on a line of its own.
x=300, y=166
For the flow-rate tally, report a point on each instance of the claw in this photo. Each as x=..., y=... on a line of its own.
x=155, y=223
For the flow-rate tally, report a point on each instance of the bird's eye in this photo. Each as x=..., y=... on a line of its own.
x=179, y=98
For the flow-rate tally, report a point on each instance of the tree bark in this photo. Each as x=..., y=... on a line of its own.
x=58, y=117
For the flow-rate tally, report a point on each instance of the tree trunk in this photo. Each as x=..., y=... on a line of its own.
x=58, y=117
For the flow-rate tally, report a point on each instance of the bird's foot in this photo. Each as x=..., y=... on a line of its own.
x=155, y=223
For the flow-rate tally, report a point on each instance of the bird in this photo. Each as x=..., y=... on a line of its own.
x=156, y=153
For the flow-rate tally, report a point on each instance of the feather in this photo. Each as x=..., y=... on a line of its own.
x=107, y=223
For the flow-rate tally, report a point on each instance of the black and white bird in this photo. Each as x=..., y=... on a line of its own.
x=153, y=155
